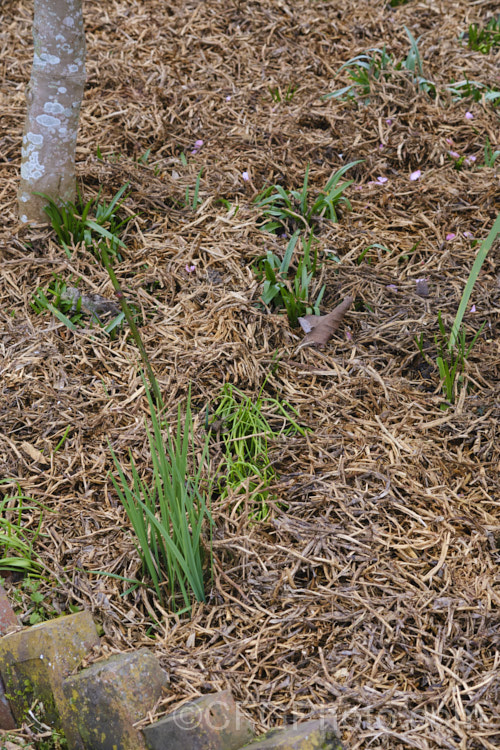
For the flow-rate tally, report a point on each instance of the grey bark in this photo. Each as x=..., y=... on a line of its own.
x=54, y=96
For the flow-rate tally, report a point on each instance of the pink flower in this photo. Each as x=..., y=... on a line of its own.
x=468, y=235
x=245, y=176
x=358, y=187
x=198, y=144
x=449, y=141
x=382, y=180
x=454, y=154
x=473, y=308
x=228, y=98
x=450, y=236
x=190, y=268
x=415, y=175
x=470, y=159
x=469, y=116
x=381, y=146
x=388, y=121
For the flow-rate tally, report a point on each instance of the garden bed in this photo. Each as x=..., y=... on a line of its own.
x=367, y=589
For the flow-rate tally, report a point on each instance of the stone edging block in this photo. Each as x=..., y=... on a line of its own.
x=107, y=698
x=311, y=735
x=34, y=662
x=212, y=722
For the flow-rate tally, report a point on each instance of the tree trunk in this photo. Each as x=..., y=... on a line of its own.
x=54, y=96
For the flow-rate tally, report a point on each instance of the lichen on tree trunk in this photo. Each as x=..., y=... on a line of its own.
x=54, y=96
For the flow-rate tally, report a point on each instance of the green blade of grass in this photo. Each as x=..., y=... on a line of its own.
x=476, y=267
x=104, y=232
x=287, y=258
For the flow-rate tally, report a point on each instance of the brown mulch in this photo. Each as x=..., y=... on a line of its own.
x=371, y=593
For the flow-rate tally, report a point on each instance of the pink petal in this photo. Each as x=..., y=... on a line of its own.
x=470, y=159
x=473, y=308
x=469, y=116
x=388, y=122
x=382, y=179
x=198, y=144
x=450, y=236
x=468, y=235
x=454, y=154
x=415, y=175
x=245, y=176
x=228, y=98
x=191, y=268
x=449, y=141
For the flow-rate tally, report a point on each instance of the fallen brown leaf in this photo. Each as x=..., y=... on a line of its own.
x=34, y=453
x=319, y=328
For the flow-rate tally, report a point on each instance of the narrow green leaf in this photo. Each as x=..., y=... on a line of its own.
x=476, y=267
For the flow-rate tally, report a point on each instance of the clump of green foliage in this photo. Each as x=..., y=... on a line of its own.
x=377, y=64
x=284, y=210
x=473, y=90
x=65, y=303
x=452, y=349
x=483, y=39
x=245, y=430
x=490, y=156
x=278, y=95
x=89, y=222
x=287, y=283
x=17, y=552
x=451, y=362
x=168, y=511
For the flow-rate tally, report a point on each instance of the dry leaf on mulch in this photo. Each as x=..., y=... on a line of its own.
x=319, y=328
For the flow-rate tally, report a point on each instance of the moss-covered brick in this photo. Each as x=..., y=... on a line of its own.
x=106, y=699
x=212, y=722
x=311, y=735
x=34, y=662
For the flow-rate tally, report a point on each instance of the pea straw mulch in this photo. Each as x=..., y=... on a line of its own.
x=370, y=594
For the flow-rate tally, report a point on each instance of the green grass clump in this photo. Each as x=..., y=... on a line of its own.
x=278, y=95
x=244, y=426
x=376, y=64
x=285, y=210
x=474, y=90
x=483, y=39
x=89, y=222
x=287, y=284
x=65, y=303
x=452, y=348
x=16, y=540
x=168, y=510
